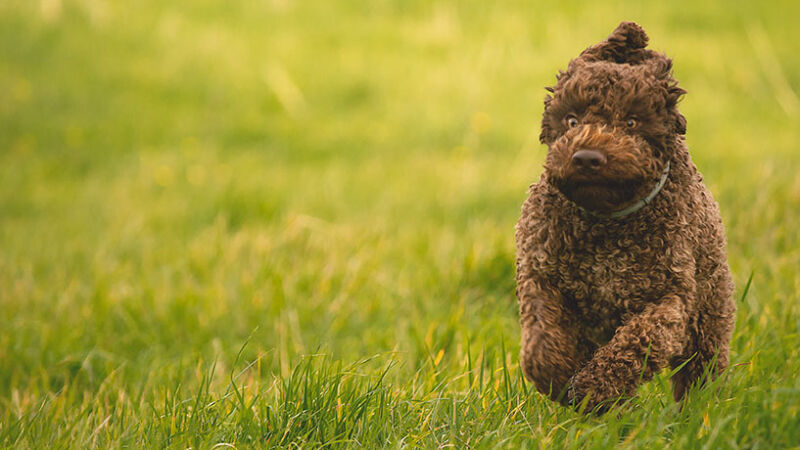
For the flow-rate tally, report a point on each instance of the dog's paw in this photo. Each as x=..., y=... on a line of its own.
x=590, y=395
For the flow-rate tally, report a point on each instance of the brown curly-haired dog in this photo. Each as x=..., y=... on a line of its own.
x=621, y=265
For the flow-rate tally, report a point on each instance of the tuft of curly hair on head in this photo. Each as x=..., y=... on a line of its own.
x=626, y=44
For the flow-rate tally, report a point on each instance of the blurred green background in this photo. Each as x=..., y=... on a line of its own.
x=339, y=176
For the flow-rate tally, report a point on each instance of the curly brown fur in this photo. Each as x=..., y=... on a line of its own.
x=605, y=303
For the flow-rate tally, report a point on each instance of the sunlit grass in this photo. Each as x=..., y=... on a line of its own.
x=274, y=223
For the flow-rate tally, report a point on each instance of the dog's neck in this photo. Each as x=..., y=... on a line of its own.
x=636, y=206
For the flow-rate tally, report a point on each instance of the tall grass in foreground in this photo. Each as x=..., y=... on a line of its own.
x=322, y=402
x=479, y=401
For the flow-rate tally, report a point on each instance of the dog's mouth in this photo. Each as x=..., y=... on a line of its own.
x=575, y=179
x=598, y=194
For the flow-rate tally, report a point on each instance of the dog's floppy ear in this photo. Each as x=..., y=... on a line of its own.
x=626, y=44
x=674, y=95
x=661, y=68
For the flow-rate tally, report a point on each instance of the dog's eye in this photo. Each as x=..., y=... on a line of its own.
x=631, y=123
x=572, y=121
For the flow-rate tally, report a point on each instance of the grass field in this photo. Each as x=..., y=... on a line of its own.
x=290, y=223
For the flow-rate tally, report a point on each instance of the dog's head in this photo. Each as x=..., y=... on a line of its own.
x=611, y=122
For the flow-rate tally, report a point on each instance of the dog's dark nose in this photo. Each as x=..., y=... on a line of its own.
x=589, y=159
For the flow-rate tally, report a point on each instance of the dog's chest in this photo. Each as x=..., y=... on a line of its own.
x=607, y=278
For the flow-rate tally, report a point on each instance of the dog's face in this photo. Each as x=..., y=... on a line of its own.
x=611, y=122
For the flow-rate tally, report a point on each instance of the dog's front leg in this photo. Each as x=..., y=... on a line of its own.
x=638, y=349
x=550, y=352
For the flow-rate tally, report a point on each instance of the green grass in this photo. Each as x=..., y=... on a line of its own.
x=290, y=223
